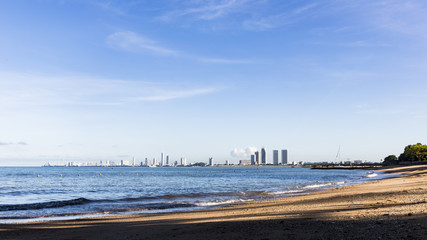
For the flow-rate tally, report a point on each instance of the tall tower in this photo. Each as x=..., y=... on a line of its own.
x=253, y=159
x=211, y=161
x=257, y=158
x=284, y=156
x=162, y=159
x=183, y=161
x=263, y=156
x=276, y=157
x=167, y=160
x=133, y=161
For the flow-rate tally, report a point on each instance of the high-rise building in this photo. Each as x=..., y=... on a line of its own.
x=284, y=156
x=211, y=161
x=276, y=157
x=253, y=159
x=257, y=158
x=167, y=160
x=183, y=161
x=133, y=161
x=263, y=156
x=162, y=159
x=146, y=162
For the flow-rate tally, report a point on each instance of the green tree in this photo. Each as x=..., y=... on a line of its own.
x=391, y=160
x=414, y=153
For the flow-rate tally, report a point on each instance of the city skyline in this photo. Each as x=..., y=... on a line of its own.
x=93, y=80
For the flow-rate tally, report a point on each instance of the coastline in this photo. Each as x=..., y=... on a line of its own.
x=389, y=208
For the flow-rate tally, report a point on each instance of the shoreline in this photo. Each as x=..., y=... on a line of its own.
x=372, y=206
x=296, y=190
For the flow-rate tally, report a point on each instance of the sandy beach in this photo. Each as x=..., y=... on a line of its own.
x=393, y=208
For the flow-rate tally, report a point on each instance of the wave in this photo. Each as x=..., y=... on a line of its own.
x=217, y=203
x=168, y=197
x=371, y=175
x=284, y=192
x=52, y=204
x=320, y=185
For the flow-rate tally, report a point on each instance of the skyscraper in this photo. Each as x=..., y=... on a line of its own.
x=284, y=156
x=276, y=157
x=183, y=161
x=211, y=161
x=263, y=156
x=253, y=159
x=133, y=161
x=167, y=160
x=162, y=159
x=257, y=158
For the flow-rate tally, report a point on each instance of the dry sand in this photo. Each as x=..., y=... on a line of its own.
x=388, y=209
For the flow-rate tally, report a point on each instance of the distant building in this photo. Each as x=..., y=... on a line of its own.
x=257, y=158
x=227, y=162
x=211, y=163
x=162, y=159
x=284, y=156
x=124, y=163
x=263, y=156
x=133, y=162
x=167, y=159
x=245, y=162
x=253, y=159
x=183, y=161
x=276, y=157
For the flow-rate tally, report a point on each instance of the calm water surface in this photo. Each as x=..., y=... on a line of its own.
x=50, y=193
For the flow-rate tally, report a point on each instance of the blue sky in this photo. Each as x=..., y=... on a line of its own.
x=107, y=80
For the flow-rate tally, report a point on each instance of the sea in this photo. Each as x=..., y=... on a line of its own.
x=30, y=194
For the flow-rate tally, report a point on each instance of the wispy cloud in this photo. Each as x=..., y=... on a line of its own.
x=355, y=44
x=133, y=42
x=108, y=6
x=404, y=17
x=163, y=95
x=206, y=10
x=12, y=143
x=287, y=17
x=227, y=61
x=31, y=89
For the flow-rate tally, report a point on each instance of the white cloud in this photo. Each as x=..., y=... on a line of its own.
x=32, y=89
x=207, y=10
x=163, y=95
x=12, y=143
x=240, y=152
x=133, y=42
x=279, y=20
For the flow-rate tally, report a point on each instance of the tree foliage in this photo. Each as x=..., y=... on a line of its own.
x=414, y=153
x=390, y=160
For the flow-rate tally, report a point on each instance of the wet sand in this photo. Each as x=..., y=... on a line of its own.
x=393, y=208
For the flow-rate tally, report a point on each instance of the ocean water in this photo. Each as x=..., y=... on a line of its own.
x=55, y=193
